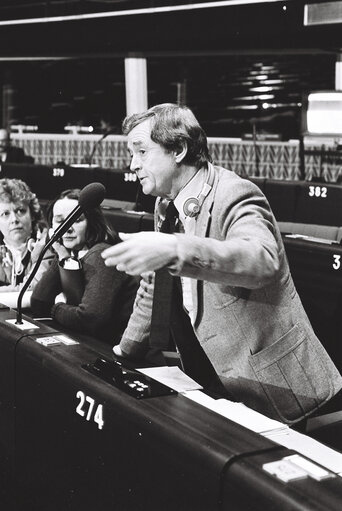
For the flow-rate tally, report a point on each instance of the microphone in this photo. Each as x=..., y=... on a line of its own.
x=97, y=143
x=91, y=196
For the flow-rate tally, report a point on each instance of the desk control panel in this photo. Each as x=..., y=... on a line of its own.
x=129, y=381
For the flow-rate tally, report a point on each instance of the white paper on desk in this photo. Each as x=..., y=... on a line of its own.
x=310, y=448
x=201, y=398
x=238, y=412
x=172, y=377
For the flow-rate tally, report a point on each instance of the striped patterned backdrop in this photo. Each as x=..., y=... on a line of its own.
x=278, y=160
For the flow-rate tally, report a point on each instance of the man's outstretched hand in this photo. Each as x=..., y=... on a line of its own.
x=141, y=252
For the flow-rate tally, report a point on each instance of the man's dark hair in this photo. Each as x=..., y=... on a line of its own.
x=97, y=230
x=173, y=127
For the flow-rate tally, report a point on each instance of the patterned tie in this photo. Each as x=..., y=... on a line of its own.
x=170, y=317
x=160, y=339
x=171, y=219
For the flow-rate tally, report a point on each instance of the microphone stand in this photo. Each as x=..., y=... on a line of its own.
x=52, y=240
x=97, y=143
x=19, y=320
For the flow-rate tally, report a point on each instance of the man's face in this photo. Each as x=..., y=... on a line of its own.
x=155, y=167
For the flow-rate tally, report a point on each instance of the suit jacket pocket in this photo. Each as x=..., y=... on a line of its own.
x=292, y=375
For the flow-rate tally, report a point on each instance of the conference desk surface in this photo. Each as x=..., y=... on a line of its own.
x=73, y=441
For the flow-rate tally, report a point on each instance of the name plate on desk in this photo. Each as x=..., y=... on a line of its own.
x=285, y=470
x=296, y=467
x=53, y=340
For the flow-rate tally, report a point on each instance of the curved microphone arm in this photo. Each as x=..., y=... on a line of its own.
x=97, y=143
x=57, y=234
x=19, y=320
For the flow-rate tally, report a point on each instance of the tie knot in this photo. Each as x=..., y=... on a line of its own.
x=171, y=217
x=171, y=212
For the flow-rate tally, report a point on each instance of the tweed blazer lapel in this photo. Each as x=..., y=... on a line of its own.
x=202, y=230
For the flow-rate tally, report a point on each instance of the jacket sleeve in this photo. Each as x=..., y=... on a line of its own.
x=101, y=291
x=135, y=339
x=242, y=249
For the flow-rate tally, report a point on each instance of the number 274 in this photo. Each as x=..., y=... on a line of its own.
x=86, y=409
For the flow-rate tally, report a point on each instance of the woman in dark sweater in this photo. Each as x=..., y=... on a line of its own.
x=96, y=300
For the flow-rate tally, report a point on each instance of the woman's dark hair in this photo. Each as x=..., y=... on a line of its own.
x=173, y=127
x=97, y=230
x=17, y=191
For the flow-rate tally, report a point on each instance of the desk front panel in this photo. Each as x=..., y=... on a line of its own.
x=80, y=443
x=157, y=453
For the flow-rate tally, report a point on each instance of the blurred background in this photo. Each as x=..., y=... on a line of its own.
x=241, y=66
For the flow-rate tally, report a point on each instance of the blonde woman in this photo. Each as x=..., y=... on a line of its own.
x=22, y=236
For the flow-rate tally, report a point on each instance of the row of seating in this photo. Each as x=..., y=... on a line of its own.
x=319, y=232
x=301, y=202
x=48, y=181
x=123, y=220
x=300, y=207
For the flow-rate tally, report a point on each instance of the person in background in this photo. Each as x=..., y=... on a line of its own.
x=236, y=284
x=23, y=231
x=10, y=153
x=99, y=299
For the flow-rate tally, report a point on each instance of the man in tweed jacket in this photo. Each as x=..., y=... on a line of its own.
x=237, y=287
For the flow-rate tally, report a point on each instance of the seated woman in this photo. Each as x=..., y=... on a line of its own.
x=99, y=299
x=22, y=236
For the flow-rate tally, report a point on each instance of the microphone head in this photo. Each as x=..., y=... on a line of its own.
x=91, y=196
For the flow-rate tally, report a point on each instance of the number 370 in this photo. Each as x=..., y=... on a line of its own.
x=86, y=408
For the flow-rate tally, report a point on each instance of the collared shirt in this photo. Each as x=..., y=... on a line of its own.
x=16, y=258
x=188, y=224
